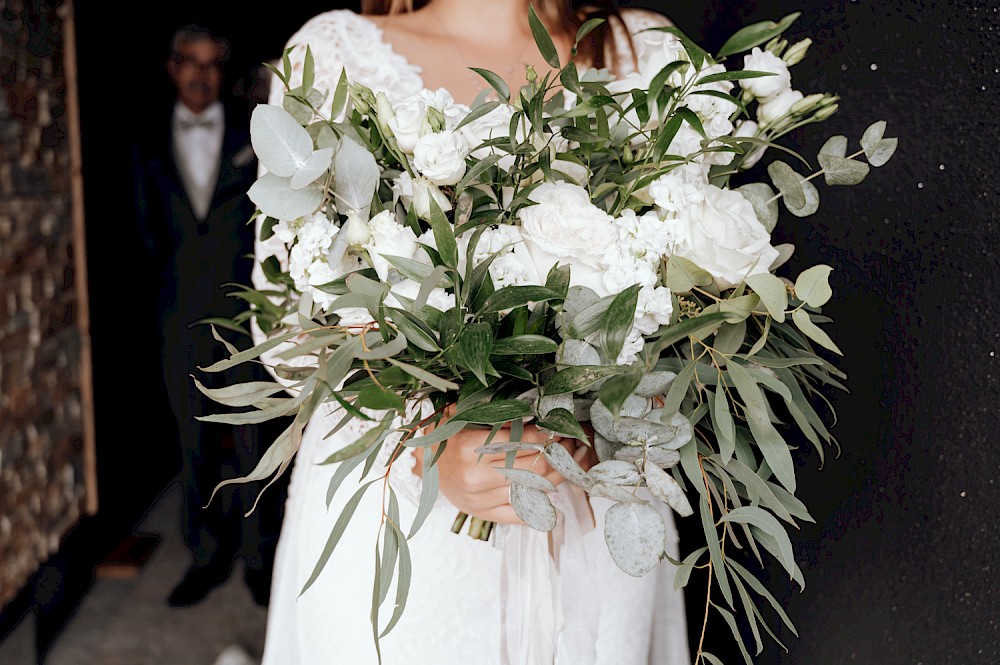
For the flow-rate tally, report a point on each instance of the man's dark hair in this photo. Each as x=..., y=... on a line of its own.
x=196, y=33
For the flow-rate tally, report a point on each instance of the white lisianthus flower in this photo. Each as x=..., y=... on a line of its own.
x=723, y=236
x=766, y=87
x=654, y=51
x=749, y=128
x=566, y=228
x=407, y=123
x=495, y=241
x=355, y=230
x=441, y=157
x=775, y=108
x=388, y=237
x=682, y=187
x=653, y=309
x=418, y=193
x=442, y=100
x=494, y=124
x=631, y=349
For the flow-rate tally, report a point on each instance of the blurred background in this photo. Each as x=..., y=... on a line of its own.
x=901, y=565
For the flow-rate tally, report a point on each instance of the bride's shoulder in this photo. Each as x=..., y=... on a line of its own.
x=337, y=28
x=637, y=20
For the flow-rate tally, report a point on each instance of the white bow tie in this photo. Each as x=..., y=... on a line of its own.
x=191, y=123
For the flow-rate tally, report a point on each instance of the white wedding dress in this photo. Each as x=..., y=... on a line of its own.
x=452, y=616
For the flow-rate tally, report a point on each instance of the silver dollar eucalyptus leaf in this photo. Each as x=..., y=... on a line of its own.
x=276, y=198
x=666, y=489
x=602, y=421
x=581, y=408
x=636, y=537
x=502, y=447
x=577, y=352
x=661, y=457
x=615, y=493
x=605, y=449
x=528, y=479
x=356, y=179
x=615, y=472
x=635, y=431
x=533, y=507
x=654, y=384
x=636, y=407
x=560, y=460
x=549, y=402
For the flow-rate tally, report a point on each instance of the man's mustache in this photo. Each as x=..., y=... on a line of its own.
x=198, y=87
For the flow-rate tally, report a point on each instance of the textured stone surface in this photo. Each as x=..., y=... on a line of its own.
x=41, y=480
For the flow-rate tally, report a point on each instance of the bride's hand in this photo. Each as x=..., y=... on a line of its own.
x=474, y=485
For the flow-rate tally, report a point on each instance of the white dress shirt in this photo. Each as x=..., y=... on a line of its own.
x=197, y=144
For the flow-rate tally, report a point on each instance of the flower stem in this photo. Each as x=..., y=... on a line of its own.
x=459, y=522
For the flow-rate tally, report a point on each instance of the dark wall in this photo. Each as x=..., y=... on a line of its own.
x=901, y=566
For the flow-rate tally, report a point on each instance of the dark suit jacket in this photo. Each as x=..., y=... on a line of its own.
x=191, y=259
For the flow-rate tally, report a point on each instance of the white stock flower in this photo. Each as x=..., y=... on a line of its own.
x=440, y=157
x=388, y=237
x=775, y=108
x=501, y=239
x=418, y=193
x=566, y=228
x=723, y=236
x=316, y=234
x=766, y=87
x=509, y=270
x=646, y=237
x=630, y=350
x=653, y=309
x=625, y=270
x=438, y=298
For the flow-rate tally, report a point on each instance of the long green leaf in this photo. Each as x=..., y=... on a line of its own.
x=755, y=35
x=542, y=39
x=618, y=320
x=363, y=443
x=715, y=549
x=770, y=442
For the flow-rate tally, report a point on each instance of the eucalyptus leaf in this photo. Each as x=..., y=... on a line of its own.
x=528, y=479
x=615, y=472
x=772, y=292
x=870, y=139
x=771, y=444
x=661, y=457
x=666, y=489
x=765, y=206
x=281, y=144
x=788, y=182
x=842, y=171
x=615, y=492
x=276, y=198
x=574, y=352
x=764, y=521
x=835, y=146
x=683, y=275
x=560, y=459
x=636, y=537
x=241, y=394
x=813, y=286
x=533, y=506
x=357, y=176
x=635, y=431
x=802, y=321
x=812, y=201
x=725, y=428
x=883, y=152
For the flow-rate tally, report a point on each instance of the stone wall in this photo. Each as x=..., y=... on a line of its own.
x=41, y=421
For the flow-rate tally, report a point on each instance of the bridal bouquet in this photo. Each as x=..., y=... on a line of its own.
x=570, y=254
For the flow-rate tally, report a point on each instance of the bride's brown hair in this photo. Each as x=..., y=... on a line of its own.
x=566, y=15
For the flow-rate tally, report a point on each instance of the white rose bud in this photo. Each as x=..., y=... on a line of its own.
x=777, y=108
x=766, y=87
x=441, y=157
x=406, y=124
x=355, y=230
x=797, y=52
x=423, y=192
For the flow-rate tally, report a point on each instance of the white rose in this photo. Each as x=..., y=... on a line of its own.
x=723, y=236
x=406, y=123
x=441, y=157
x=495, y=124
x=685, y=142
x=766, y=87
x=442, y=100
x=418, y=193
x=388, y=238
x=775, y=108
x=566, y=228
x=682, y=187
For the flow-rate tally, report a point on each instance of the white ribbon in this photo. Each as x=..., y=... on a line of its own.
x=545, y=614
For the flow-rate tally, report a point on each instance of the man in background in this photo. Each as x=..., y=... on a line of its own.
x=191, y=180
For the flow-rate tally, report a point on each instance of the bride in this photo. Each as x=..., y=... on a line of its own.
x=453, y=614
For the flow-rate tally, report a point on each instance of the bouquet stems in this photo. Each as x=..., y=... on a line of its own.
x=478, y=529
